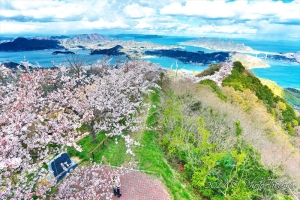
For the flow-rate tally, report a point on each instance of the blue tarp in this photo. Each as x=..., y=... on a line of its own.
x=55, y=166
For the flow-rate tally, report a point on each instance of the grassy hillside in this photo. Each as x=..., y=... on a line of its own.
x=211, y=142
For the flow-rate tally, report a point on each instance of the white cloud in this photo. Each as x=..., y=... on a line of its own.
x=17, y=27
x=101, y=24
x=52, y=9
x=59, y=27
x=180, y=17
x=136, y=11
x=209, y=9
x=214, y=30
x=9, y=13
x=237, y=9
x=143, y=25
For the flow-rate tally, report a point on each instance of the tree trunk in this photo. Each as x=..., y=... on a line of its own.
x=92, y=131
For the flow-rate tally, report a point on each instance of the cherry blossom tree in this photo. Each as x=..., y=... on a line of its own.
x=41, y=110
x=115, y=97
x=220, y=75
x=32, y=127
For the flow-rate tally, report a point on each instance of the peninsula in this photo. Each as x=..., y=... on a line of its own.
x=249, y=61
x=218, y=44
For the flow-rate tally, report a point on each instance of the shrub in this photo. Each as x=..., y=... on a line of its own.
x=210, y=70
x=215, y=88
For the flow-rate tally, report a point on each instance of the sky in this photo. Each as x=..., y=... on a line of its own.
x=197, y=18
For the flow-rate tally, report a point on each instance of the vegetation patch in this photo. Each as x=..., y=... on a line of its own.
x=210, y=70
x=241, y=79
x=215, y=88
x=214, y=171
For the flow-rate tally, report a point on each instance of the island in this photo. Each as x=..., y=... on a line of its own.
x=62, y=52
x=286, y=57
x=115, y=51
x=24, y=44
x=191, y=57
x=218, y=44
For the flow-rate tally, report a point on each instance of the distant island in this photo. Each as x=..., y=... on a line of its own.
x=62, y=52
x=288, y=57
x=115, y=51
x=191, y=57
x=23, y=44
x=87, y=41
x=218, y=44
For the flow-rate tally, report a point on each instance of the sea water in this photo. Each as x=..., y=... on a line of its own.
x=44, y=58
x=286, y=74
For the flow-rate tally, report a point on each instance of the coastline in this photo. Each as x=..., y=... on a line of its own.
x=250, y=62
x=256, y=52
x=220, y=49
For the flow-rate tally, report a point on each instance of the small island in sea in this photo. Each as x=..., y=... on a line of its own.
x=62, y=52
x=114, y=51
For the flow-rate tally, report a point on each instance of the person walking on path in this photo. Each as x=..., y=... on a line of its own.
x=116, y=185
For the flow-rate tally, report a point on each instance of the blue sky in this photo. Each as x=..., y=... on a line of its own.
x=230, y=18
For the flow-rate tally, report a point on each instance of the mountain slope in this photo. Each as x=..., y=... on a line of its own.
x=231, y=138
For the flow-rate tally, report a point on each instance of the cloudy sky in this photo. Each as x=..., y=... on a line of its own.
x=233, y=18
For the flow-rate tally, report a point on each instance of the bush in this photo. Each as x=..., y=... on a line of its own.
x=215, y=88
x=210, y=70
x=238, y=129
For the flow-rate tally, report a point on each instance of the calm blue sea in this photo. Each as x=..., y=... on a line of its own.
x=43, y=57
x=286, y=74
